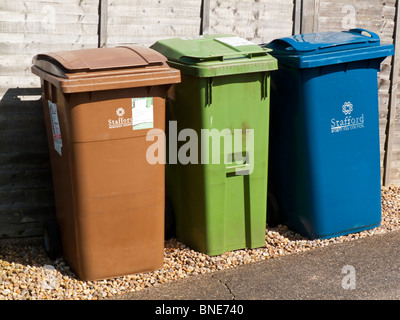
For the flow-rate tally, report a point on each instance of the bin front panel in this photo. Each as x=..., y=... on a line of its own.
x=115, y=114
x=331, y=130
x=119, y=208
x=346, y=166
x=109, y=198
x=225, y=87
x=216, y=209
x=100, y=106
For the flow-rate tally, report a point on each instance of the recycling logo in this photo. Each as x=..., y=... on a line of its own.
x=120, y=112
x=347, y=108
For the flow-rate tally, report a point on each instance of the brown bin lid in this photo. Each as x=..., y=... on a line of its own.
x=103, y=64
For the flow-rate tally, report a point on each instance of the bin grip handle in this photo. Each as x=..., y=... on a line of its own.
x=228, y=55
x=289, y=43
x=340, y=44
x=239, y=170
x=373, y=35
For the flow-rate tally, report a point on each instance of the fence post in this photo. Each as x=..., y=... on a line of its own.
x=205, y=17
x=309, y=15
x=394, y=78
x=102, y=30
x=297, y=13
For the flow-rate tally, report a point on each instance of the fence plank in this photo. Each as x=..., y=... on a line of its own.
x=103, y=13
x=205, y=17
x=392, y=112
x=309, y=16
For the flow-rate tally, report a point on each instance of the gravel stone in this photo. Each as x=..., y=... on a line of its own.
x=26, y=272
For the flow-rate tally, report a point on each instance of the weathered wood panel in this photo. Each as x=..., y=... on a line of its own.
x=26, y=29
x=259, y=21
x=145, y=22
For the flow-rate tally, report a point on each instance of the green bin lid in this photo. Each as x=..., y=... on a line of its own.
x=215, y=55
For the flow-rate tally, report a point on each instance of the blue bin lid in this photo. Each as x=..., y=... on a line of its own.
x=326, y=48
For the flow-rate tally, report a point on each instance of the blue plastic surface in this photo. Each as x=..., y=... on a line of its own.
x=325, y=48
x=324, y=158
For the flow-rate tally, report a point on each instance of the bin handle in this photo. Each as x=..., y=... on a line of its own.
x=227, y=55
x=373, y=35
x=239, y=170
x=284, y=44
x=340, y=44
x=242, y=167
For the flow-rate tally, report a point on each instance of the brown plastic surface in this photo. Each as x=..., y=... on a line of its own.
x=104, y=69
x=109, y=199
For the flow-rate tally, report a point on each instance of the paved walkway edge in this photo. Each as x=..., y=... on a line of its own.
x=364, y=269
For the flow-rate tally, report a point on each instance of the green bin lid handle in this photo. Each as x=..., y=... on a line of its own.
x=228, y=55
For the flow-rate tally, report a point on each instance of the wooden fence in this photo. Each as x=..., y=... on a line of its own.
x=34, y=26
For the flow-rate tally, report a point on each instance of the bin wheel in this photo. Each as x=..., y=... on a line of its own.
x=169, y=220
x=273, y=216
x=52, y=239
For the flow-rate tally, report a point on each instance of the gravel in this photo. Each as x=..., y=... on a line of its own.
x=26, y=273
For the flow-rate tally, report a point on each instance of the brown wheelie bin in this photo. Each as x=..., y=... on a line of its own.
x=99, y=106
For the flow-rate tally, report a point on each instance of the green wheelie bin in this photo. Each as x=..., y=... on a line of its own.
x=217, y=141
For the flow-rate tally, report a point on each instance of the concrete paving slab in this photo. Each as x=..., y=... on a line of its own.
x=367, y=268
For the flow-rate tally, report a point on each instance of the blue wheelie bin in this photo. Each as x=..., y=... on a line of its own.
x=324, y=165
